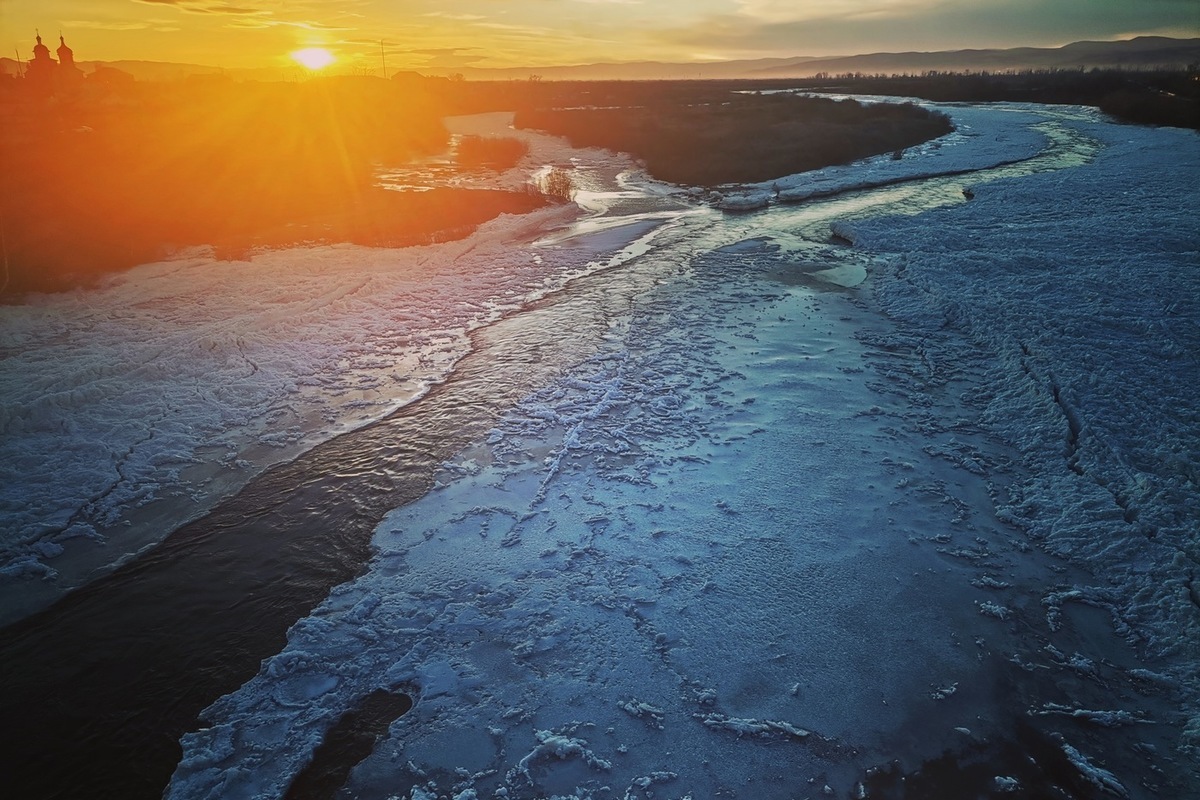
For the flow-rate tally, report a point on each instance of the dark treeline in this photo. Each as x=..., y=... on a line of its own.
x=716, y=137
x=1146, y=97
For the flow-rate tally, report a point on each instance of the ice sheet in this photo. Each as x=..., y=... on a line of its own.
x=1082, y=290
x=130, y=408
x=650, y=568
x=766, y=540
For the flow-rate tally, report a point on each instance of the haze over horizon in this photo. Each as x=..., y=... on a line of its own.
x=423, y=34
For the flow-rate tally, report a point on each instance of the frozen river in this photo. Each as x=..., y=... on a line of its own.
x=690, y=503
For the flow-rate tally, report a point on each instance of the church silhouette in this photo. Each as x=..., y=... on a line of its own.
x=47, y=76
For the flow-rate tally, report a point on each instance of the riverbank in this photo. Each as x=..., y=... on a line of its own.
x=168, y=387
x=706, y=140
x=96, y=185
x=984, y=137
x=1136, y=96
x=294, y=346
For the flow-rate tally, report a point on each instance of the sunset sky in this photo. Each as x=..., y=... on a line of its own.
x=495, y=33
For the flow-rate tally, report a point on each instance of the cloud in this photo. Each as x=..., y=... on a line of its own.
x=448, y=57
x=250, y=24
x=787, y=11
x=437, y=51
x=455, y=17
x=262, y=23
x=106, y=25
x=249, y=16
x=523, y=30
x=768, y=26
x=309, y=25
x=200, y=7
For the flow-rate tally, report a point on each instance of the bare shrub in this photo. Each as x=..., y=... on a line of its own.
x=558, y=185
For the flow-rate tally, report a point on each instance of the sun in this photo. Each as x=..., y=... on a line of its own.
x=313, y=57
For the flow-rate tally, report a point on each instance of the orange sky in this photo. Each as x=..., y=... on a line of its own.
x=423, y=34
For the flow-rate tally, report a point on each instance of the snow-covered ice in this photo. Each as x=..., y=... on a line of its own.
x=644, y=563
x=795, y=515
x=1081, y=300
x=765, y=540
x=131, y=408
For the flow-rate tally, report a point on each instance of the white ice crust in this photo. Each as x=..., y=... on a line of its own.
x=128, y=409
x=1080, y=290
x=745, y=548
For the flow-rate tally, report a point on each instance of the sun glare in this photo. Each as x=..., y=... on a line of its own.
x=313, y=57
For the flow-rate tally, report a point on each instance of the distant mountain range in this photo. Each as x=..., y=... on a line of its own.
x=1142, y=52
x=636, y=70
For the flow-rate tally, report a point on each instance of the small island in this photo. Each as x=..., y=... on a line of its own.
x=708, y=134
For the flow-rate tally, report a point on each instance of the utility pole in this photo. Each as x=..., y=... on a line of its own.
x=383, y=58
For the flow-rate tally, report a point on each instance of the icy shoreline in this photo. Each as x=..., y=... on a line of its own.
x=135, y=407
x=549, y=602
x=174, y=384
x=986, y=136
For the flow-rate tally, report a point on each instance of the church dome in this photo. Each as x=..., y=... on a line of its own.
x=40, y=50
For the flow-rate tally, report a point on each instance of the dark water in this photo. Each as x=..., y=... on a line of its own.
x=99, y=687
x=349, y=741
x=1029, y=757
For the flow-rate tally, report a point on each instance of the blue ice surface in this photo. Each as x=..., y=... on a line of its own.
x=750, y=542
x=698, y=520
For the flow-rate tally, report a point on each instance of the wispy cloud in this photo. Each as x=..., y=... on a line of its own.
x=454, y=17
x=525, y=30
x=438, y=51
x=789, y=11
x=310, y=25
x=251, y=17
x=107, y=25
x=262, y=23
x=200, y=7
x=232, y=10
x=827, y=27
